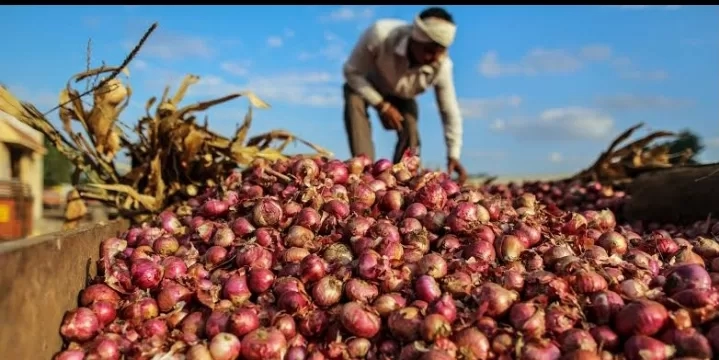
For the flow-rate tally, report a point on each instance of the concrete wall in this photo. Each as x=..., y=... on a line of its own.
x=41, y=279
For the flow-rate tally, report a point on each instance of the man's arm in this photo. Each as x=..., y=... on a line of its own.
x=449, y=110
x=359, y=65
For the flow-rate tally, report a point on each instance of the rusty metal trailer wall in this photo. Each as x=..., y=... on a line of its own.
x=40, y=278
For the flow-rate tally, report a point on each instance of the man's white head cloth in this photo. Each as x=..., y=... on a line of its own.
x=433, y=29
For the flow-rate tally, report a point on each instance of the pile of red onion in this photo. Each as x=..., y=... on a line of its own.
x=324, y=259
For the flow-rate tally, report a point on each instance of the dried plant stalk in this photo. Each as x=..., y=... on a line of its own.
x=172, y=157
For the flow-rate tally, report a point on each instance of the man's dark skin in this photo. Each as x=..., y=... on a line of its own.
x=419, y=54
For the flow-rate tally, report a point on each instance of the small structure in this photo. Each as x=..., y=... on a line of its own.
x=21, y=159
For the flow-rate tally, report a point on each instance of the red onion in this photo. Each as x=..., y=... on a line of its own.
x=604, y=305
x=404, y=323
x=236, y=289
x=80, y=324
x=359, y=320
x=142, y=309
x=224, y=346
x=254, y=256
x=538, y=349
x=641, y=347
x=385, y=304
x=642, y=317
x=509, y=248
x=105, y=312
x=358, y=348
x=146, y=274
x=242, y=321
x=266, y=212
x=427, y=289
x=444, y=306
x=435, y=326
x=472, y=343
x=613, y=242
x=337, y=171
x=314, y=323
x=688, y=342
x=527, y=318
x=312, y=268
x=433, y=196
x=577, y=339
x=260, y=280
x=495, y=300
x=99, y=292
x=686, y=276
x=361, y=291
x=286, y=325
x=263, y=344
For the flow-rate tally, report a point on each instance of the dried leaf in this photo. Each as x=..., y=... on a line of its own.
x=75, y=210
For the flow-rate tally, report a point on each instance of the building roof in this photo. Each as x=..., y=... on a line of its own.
x=22, y=134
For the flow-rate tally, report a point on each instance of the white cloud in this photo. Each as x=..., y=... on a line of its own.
x=541, y=61
x=627, y=69
x=139, y=64
x=638, y=102
x=274, y=41
x=567, y=123
x=555, y=157
x=712, y=142
x=537, y=61
x=313, y=89
x=174, y=46
x=596, y=52
x=235, y=68
x=474, y=108
x=348, y=13
x=334, y=49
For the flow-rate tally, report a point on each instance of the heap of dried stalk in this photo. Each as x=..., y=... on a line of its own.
x=622, y=164
x=172, y=156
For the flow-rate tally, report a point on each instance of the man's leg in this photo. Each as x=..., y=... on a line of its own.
x=359, y=130
x=408, y=138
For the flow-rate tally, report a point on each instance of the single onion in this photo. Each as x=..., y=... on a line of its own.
x=642, y=347
x=264, y=344
x=359, y=320
x=642, y=317
x=80, y=324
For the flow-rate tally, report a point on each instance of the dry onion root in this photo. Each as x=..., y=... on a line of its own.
x=355, y=260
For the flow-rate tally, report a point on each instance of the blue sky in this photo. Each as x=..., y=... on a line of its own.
x=542, y=88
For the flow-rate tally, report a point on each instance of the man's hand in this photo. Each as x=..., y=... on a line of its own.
x=390, y=116
x=453, y=165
